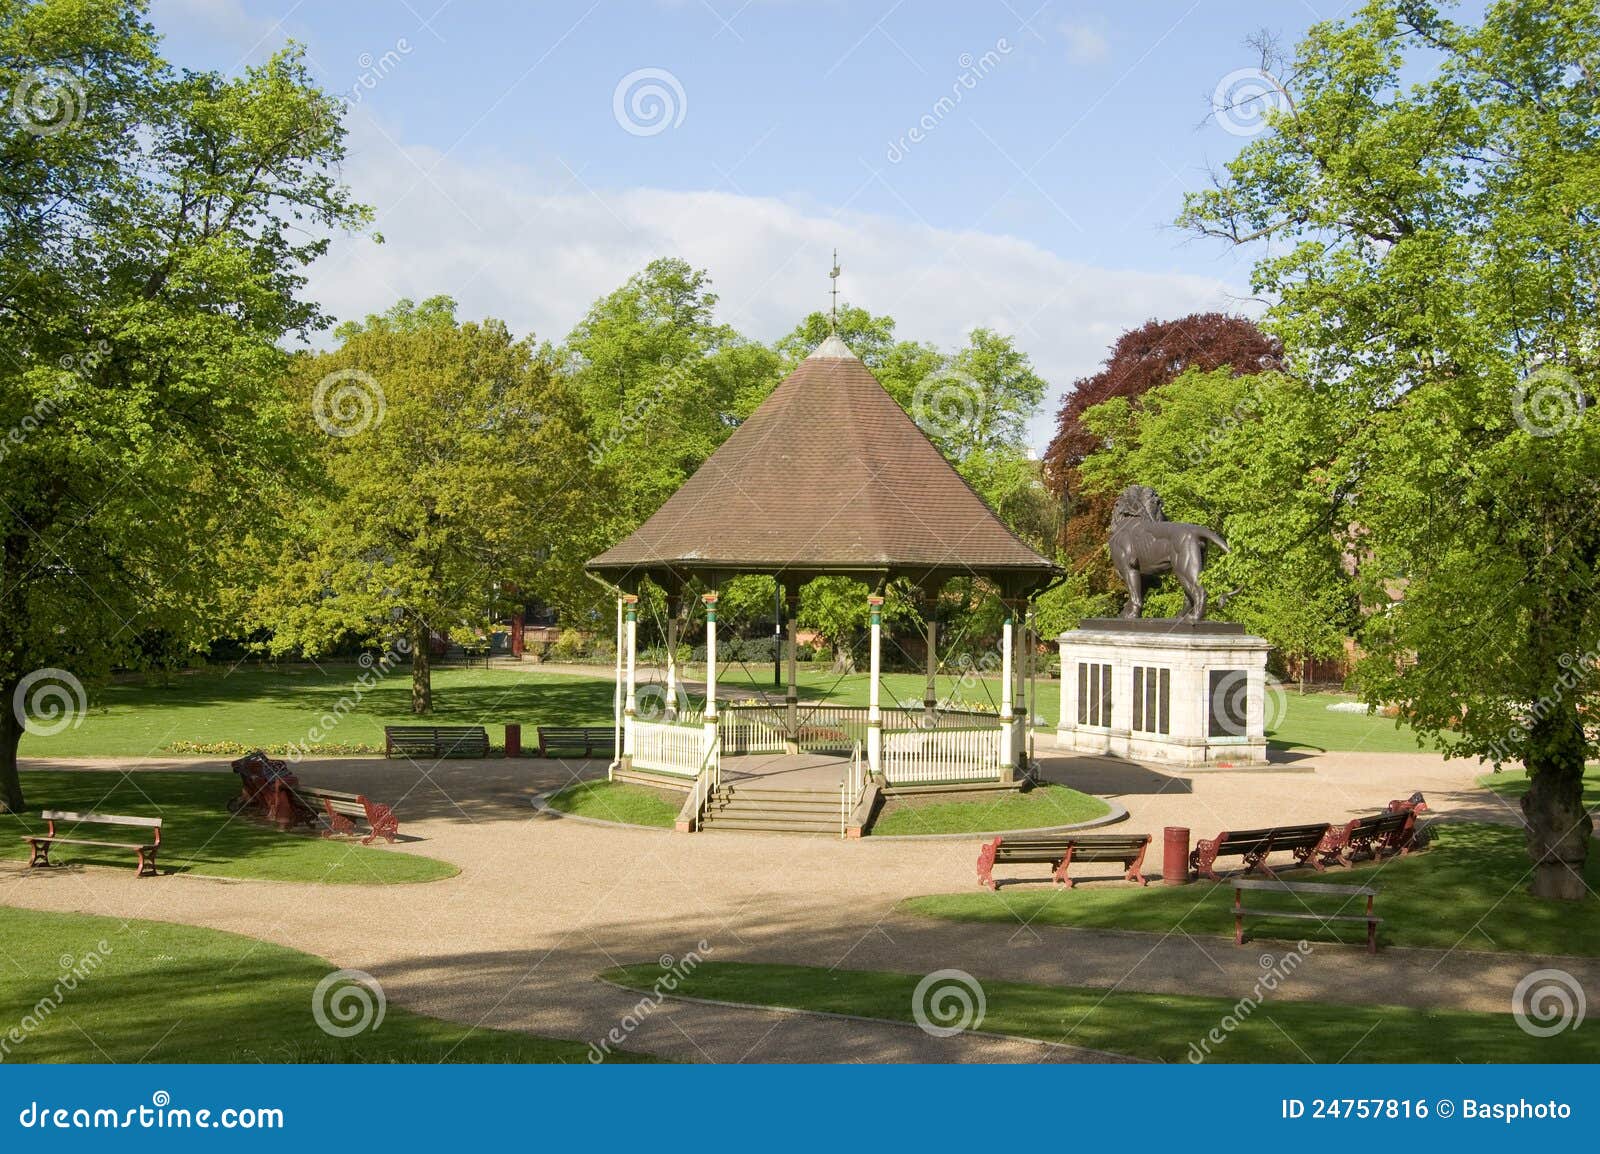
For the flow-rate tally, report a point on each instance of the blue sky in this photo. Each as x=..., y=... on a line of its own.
x=511, y=167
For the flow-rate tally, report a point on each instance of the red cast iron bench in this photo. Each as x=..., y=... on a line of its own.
x=1309, y=843
x=1060, y=850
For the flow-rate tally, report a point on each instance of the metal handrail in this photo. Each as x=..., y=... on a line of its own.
x=852, y=785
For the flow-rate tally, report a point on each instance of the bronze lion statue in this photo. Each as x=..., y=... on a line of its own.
x=1145, y=544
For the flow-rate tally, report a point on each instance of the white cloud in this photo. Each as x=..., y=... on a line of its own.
x=1084, y=44
x=536, y=248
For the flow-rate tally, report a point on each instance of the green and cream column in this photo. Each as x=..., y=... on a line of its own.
x=1008, y=721
x=791, y=700
x=674, y=603
x=710, y=600
x=630, y=699
x=874, y=710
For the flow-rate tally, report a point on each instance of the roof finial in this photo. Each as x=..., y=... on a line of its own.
x=833, y=315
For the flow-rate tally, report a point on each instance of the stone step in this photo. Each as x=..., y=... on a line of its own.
x=773, y=825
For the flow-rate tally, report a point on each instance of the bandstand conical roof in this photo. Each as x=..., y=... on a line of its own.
x=828, y=476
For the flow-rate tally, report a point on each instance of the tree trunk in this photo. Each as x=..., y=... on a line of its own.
x=10, y=735
x=421, y=670
x=1559, y=827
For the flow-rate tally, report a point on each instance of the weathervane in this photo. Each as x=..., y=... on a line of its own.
x=833, y=315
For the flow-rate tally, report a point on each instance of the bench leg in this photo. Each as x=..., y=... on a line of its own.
x=1060, y=874
x=986, y=854
x=1204, y=858
x=41, y=853
x=1133, y=874
x=147, y=863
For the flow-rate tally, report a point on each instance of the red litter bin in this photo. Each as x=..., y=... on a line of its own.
x=1175, y=856
x=514, y=747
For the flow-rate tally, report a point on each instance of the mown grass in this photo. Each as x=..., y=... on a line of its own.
x=1513, y=783
x=253, y=707
x=618, y=801
x=1044, y=805
x=198, y=834
x=1468, y=890
x=1158, y=1027
x=157, y=992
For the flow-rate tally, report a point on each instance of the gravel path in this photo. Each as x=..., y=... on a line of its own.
x=544, y=904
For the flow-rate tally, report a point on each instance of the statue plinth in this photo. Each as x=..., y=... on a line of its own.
x=1164, y=690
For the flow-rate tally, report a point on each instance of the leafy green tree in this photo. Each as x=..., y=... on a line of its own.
x=1229, y=451
x=1430, y=200
x=452, y=455
x=153, y=231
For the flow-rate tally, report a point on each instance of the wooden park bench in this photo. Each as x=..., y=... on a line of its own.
x=1060, y=850
x=146, y=849
x=1308, y=843
x=585, y=740
x=435, y=741
x=1391, y=832
x=1315, y=891
x=343, y=810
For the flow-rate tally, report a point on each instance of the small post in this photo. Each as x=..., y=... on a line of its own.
x=513, y=739
x=1175, y=856
x=874, y=711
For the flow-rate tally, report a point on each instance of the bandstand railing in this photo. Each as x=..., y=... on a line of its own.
x=669, y=748
x=916, y=756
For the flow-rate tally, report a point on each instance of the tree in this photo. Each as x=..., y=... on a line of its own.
x=153, y=229
x=1430, y=195
x=449, y=456
x=1227, y=450
x=1154, y=354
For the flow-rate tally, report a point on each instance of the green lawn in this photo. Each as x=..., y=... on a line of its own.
x=156, y=992
x=1160, y=1027
x=618, y=801
x=1513, y=783
x=1469, y=890
x=1041, y=806
x=275, y=708
x=198, y=833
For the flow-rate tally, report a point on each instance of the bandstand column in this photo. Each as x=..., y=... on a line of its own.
x=630, y=700
x=791, y=741
x=710, y=600
x=1008, y=728
x=874, y=710
x=930, y=692
x=673, y=604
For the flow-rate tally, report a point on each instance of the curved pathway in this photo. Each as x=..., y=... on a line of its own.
x=543, y=904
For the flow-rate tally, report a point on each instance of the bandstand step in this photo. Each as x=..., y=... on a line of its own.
x=773, y=810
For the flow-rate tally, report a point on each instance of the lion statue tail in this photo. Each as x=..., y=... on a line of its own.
x=1208, y=535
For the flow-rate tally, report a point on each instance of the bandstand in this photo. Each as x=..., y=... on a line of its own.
x=828, y=477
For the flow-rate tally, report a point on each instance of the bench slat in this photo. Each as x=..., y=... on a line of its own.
x=100, y=818
x=1302, y=887
x=1304, y=915
x=85, y=841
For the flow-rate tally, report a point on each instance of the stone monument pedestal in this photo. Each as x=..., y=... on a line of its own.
x=1163, y=690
